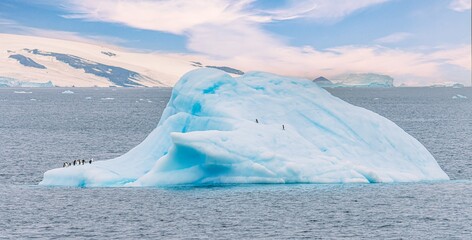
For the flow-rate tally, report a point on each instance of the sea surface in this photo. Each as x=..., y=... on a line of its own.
x=42, y=128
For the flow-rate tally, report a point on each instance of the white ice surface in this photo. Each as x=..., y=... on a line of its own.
x=208, y=134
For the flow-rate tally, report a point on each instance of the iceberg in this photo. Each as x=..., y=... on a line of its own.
x=365, y=80
x=22, y=92
x=11, y=82
x=458, y=85
x=259, y=128
x=458, y=96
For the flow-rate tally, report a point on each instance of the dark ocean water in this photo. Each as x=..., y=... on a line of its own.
x=37, y=135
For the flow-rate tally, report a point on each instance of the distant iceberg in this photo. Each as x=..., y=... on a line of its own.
x=457, y=85
x=10, y=82
x=447, y=85
x=260, y=128
x=364, y=80
x=22, y=92
x=68, y=92
x=458, y=96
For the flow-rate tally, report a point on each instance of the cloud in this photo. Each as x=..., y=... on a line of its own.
x=230, y=32
x=178, y=16
x=7, y=22
x=219, y=28
x=459, y=56
x=13, y=27
x=460, y=5
x=168, y=16
x=321, y=10
x=394, y=37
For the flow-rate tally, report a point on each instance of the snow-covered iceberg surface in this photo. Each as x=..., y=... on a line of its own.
x=260, y=128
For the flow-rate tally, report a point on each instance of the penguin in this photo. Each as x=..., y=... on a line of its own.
x=90, y=161
x=83, y=161
x=283, y=127
x=257, y=121
x=64, y=165
x=75, y=161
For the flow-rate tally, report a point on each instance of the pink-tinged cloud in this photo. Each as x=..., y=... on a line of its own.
x=229, y=32
x=460, y=5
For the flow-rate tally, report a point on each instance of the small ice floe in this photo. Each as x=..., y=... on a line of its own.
x=33, y=99
x=67, y=92
x=376, y=98
x=458, y=96
x=108, y=99
x=22, y=92
x=88, y=98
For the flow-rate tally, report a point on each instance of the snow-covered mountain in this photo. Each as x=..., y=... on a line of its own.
x=31, y=60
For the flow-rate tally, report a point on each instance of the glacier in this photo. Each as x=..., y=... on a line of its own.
x=259, y=128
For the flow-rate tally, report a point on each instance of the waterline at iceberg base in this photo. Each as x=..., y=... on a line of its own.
x=260, y=128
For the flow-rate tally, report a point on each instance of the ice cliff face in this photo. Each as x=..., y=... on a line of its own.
x=260, y=128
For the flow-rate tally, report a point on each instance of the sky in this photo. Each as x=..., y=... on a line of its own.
x=418, y=42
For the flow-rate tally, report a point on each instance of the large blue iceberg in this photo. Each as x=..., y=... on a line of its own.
x=260, y=128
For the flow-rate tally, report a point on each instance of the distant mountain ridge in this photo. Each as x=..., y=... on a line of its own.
x=36, y=60
x=323, y=82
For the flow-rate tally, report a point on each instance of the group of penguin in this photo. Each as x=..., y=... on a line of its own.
x=77, y=162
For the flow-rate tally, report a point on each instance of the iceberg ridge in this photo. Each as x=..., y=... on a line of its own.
x=260, y=128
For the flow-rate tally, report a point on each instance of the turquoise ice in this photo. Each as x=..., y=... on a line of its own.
x=260, y=128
